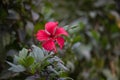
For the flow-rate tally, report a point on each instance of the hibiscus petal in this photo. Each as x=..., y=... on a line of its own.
x=60, y=41
x=51, y=27
x=42, y=35
x=49, y=45
x=61, y=31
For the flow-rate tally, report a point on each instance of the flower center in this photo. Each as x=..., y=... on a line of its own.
x=52, y=36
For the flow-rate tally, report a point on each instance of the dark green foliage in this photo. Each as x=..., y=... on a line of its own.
x=38, y=65
x=92, y=50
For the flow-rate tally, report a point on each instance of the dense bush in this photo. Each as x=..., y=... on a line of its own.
x=92, y=50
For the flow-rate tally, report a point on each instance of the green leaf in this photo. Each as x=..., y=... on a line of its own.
x=34, y=67
x=38, y=26
x=94, y=34
x=37, y=53
x=16, y=59
x=74, y=30
x=22, y=62
x=26, y=62
x=23, y=53
x=16, y=68
x=29, y=61
x=62, y=74
x=82, y=25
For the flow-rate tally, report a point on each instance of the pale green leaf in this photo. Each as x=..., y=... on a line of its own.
x=16, y=68
x=37, y=53
x=23, y=53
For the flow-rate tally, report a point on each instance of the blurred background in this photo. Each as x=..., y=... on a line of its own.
x=92, y=50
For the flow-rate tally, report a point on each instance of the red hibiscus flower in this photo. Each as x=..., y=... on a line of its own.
x=51, y=35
